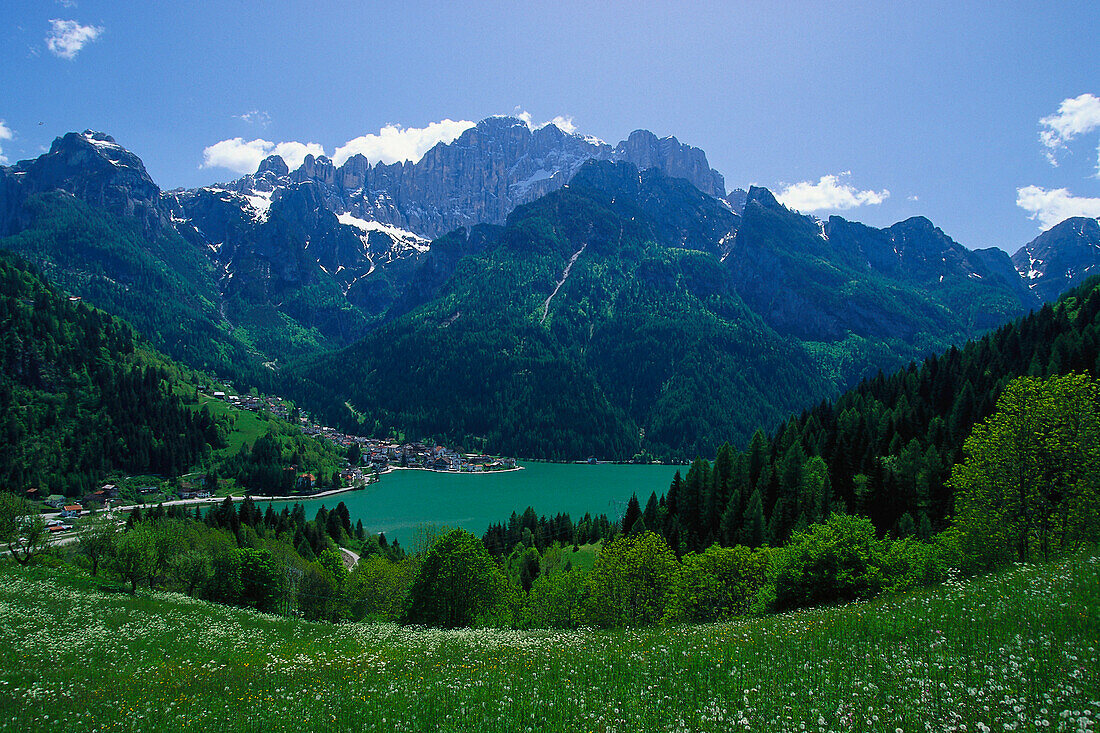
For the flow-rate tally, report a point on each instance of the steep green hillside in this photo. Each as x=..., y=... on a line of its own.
x=1015, y=651
x=871, y=298
x=629, y=313
x=162, y=285
x=886, y=447
x=82, y=394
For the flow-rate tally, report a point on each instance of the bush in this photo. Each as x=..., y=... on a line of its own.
x=557, y=600
x=378, y=588
x=457, y=585
x=840, y=560
x=248, y=578
x=631, y=581
x=318, y=594
x=910, y=563
x=717, y=584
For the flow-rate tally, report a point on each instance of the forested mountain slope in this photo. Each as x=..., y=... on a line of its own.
x=81, y=394
x=884, y=448
x=576, y=330
x=628, y=312
x=157, y=282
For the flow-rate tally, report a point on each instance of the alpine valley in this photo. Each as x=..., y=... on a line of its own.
x=524, y=291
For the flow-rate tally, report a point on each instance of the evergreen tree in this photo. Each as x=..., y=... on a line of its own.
x=650, y=513
x=633, y=513
x=754, y=530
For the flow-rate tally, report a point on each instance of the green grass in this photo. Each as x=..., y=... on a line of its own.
x=1008, y=652
x=584, y=558
x=246, y=425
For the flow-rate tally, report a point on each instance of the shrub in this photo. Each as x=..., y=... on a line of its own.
x=557, y=600
x=631, y=581
x=458, y=584
x=378, y=588
x=840, y=560
x=719, y=583
x=249, y=578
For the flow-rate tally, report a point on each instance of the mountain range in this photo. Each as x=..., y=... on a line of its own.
x=617, y=299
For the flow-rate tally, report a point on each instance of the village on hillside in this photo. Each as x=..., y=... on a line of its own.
x=373, y=458
x=377, y=455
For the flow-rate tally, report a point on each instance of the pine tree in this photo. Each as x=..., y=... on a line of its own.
x=650, y=513
x=753, y=530
x=633, y=512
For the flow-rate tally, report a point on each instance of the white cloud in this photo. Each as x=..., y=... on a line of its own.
x=394, y=143
x=5, y=134
x=562, y=122
x=828, y=194
x=255, y=117
x=1075, y=116
x=67, y=37
x=240, y=156
x=1050, y=207
x=293, y=153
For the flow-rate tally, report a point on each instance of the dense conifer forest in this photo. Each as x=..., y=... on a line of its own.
x=158, y=283
x=885, y=449
x=81, y=394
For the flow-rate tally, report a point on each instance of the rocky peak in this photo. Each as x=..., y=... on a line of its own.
x=479, y=177
x=736, y=199
x=319, y=170
x=1061, y=257
x=760, y=196
x=646, y=150
x=918, y=235
x=676, y=213
x=96, y=169
x=273, y=164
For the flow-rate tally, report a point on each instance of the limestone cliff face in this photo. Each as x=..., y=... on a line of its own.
x=645, y=150
x=479, y=177
x=367, y=226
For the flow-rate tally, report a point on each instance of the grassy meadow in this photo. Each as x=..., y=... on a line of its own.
x=1015, y=651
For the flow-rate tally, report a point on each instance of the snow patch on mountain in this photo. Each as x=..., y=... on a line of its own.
x=402, y=236
x=260, y=201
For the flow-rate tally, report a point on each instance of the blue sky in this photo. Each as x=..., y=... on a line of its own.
x=877, y=112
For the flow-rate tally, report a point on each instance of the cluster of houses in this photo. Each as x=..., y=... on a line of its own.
x=382, y=455
x=195, y=494
x=379, y=455
x=275, y=405
x=70, y=508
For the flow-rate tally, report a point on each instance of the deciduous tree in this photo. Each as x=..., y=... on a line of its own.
x=22, y=528
x=458, y=584
x=1030, y=481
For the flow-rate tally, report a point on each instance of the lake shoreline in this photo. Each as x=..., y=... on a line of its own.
x=407, y=499
x=454, y=473
x=306, y=497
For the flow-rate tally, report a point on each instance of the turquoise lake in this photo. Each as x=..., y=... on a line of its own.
x=405, y=499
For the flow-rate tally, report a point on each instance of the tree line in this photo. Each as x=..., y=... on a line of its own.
x=1028, y=487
